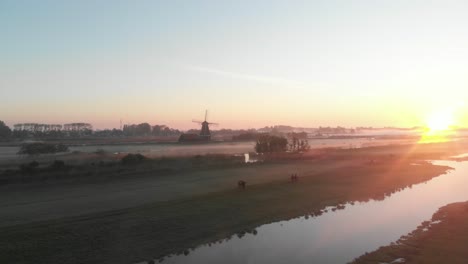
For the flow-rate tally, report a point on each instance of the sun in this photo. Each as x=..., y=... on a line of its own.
x=439, y=127
x=440, y=121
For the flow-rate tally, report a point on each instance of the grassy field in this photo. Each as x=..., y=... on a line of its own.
x=441, y=240
x=212, y=209
x=160, y=217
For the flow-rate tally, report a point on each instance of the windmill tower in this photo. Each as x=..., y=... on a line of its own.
x=205, y=133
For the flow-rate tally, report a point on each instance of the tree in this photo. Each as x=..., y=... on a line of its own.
x=303, y=145
x=5, y=131
x=143, y=129
x=267, y=143
x=299, y=145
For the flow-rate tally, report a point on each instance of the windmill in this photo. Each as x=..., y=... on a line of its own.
x=205, y=133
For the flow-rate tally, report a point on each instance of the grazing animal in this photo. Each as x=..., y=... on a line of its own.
x=241, y=184
x=294, y=178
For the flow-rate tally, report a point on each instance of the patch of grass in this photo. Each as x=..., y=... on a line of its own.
x=135, y=165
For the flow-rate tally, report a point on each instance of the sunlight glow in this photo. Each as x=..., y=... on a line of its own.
x=440, y=121
x=439, y=126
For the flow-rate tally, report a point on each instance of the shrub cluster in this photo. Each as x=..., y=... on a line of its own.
x=130, y=159
x=41, y=148
x=29, y=167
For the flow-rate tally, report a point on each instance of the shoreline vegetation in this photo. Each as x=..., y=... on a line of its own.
x=174, y=212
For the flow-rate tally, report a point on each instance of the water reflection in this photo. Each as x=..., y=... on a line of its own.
x=461, y=156
x=338, y=236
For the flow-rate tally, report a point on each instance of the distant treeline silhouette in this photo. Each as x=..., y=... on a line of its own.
x=145, y=129
x=85, y=130
x=79, y=130
x=5, y=131
x=36, y=130
x=35, y=127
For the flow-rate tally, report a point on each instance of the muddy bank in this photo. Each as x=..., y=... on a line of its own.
x=443, y=239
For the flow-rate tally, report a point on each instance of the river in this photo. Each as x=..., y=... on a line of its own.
x=342, y=235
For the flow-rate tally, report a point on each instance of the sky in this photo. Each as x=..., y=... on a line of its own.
x=250, y=63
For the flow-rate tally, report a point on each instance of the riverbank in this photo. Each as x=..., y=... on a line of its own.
x=443, y=239
x=151, y=217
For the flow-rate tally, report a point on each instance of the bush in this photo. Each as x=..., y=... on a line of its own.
x=41, y=148
x=58, y=164
x=29, y=167
x=100, y=152
x=130, y=159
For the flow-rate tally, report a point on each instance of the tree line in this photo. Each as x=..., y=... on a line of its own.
x=5, y=131
x=77, y=130
x=145, y=129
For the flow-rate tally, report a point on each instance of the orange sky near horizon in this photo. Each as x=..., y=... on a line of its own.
x=247, y=117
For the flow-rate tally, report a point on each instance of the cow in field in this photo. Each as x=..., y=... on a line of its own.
x=294, y=178
x=241, y=184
